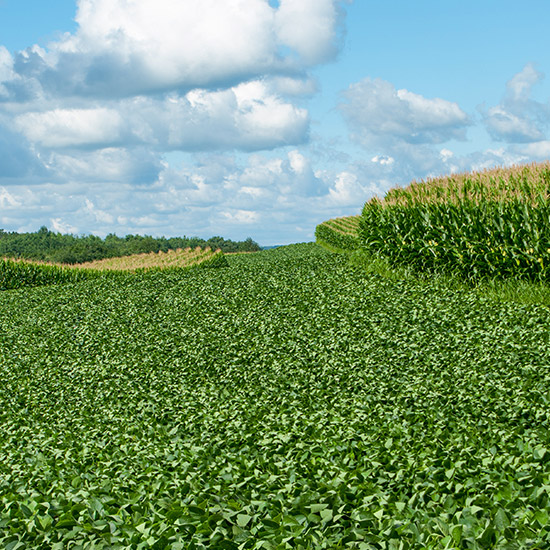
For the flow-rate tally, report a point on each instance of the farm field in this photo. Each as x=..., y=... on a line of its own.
x=23, y=273
x=479, y=225
x=287, y=401
x=339, y=234
x=187, y=257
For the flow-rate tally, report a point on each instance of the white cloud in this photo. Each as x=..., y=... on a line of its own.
x=348, y=191
x=504, y=125
x=378, y=114
x=99, y=215
x=520, y=85
x=539, y=150
x=59, y=226
x=384, y=160
x=7, y=200
x=400, y=130
x=17, y=158
x=518, y=118
x=247, y=116
x=126, y=48
x=6, y=69
x=308, y=27
x=298, y=162
x=96, y=114
x=71, y=127
x=291, y=86
x=116, y=165
x=242, y=216
x=446, y=154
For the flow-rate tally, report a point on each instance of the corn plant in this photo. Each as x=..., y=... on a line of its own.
x=490, y=224
x=340, y=234
x=21, y=273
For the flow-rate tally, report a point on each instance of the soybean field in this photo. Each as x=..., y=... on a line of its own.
x=287, y=401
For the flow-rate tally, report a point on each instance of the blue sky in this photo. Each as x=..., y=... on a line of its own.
x=253, y=117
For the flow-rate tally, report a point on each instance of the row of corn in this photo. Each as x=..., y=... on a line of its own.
x=475, y=225
x=19, y=273
x=339, y=233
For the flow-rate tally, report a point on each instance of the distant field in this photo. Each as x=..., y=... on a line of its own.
x=290, y=401
x=21, y=273
x=157, y=260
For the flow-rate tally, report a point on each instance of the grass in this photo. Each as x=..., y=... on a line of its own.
x=291, y=401
x=497, y=289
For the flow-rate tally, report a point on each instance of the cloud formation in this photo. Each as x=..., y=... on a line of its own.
x=518, y=118
x=272, y=198
x=123, y=49
x=92, y=125
x=247, y=117
x=378, y=113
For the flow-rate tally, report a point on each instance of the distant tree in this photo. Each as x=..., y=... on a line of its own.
x=56, y=247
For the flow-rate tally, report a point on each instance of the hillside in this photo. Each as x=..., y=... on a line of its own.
x=288, y=401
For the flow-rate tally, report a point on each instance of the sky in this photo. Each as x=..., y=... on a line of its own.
x=256, y=118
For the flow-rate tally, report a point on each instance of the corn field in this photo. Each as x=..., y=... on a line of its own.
x=494, y=223
x=159, y=260
x=23, y=273
x=339, y=234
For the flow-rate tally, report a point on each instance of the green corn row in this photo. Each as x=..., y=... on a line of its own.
x=21, y=274
x=472, y=239
x=340, y=234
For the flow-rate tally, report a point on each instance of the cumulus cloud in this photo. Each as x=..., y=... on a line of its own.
x=6, y=70
x=116, y=165
x=402, y=131
x=384, y=160
x=347, y=190
x=269, y=197
x=242, y=216
x=59, y=226
x=7, y=200
x=71, y=127
x=308, y=27
x=520, y=85
x=247, y=116
x=101, y=216
x=378, y=114
x=126, y=48
x=518, y=118
x=539, y=150
x=17, y=158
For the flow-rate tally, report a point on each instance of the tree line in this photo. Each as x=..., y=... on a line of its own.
x=46, y=245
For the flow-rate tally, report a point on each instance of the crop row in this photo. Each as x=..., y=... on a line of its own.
x=18, y=274
x=22, y=273
x=287, y=402
x=463, y=228
x=159, y=260
x=528, y=183
x=340, y=234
